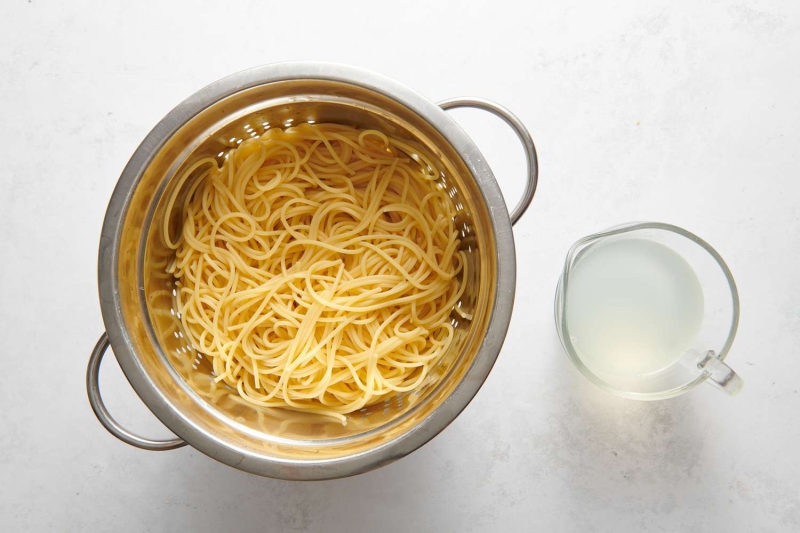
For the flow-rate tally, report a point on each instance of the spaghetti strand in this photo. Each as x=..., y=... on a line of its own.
x=317, y=267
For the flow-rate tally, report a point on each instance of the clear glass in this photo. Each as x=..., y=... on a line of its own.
x=703, y=360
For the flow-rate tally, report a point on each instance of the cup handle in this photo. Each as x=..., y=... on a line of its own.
x=105, y=418
x=719, y=374
x=524, y=137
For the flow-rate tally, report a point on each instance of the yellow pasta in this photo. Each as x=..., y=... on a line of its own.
x=317, y=267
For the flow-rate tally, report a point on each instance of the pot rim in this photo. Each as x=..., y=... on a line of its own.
x=167, y=412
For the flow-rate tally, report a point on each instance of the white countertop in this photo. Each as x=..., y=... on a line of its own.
x=682, y=112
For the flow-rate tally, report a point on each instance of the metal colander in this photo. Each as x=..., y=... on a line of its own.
x=138, y=301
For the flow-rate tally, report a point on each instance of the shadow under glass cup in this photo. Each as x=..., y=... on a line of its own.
x=648, y=311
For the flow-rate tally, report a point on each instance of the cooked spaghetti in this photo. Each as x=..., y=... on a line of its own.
x=316, y=267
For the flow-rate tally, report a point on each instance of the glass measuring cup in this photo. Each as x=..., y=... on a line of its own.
x=658, y=293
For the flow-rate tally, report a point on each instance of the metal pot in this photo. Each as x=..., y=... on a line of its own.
x=138, y=306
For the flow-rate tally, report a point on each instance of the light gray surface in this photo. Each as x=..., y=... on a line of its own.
x=684, y=112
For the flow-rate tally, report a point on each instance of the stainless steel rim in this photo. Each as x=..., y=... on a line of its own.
x=445, y=413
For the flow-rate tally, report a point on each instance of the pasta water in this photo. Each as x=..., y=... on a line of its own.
x=633, y=307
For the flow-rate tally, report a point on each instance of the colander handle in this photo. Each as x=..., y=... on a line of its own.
x=105, y=418
x=521, y=131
